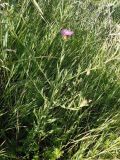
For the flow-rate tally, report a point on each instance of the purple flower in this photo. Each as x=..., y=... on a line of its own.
x=66, y=32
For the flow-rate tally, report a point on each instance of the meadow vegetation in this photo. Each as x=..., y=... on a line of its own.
x=59, y=99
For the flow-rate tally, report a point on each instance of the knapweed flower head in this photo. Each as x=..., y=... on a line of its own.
x=66, y=33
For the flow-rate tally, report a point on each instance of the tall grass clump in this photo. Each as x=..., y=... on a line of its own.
x=59, y=99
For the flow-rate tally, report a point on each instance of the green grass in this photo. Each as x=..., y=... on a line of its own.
x=60, y=100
